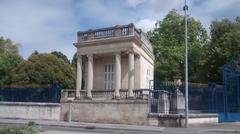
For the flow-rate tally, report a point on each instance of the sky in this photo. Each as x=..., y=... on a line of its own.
x=52, y=25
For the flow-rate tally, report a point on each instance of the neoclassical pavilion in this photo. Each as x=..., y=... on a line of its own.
x=118, y=58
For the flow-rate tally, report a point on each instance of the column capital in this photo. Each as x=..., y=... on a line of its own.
x=130, y=51
x=117, y=52
x=138, y=55
x=89, y=55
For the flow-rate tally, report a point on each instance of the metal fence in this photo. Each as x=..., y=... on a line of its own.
x=48, y=94
x=203, y=98
x=231, y=82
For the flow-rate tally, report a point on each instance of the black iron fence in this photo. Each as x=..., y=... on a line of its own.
x=48, y=94
x=203, y=98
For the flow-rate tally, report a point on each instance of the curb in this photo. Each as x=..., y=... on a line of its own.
x=86, y=126
x=222, y=131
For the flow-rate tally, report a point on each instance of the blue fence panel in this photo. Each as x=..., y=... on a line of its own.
x=49, y=94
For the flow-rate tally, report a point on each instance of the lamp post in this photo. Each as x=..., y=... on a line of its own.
x=185, y=8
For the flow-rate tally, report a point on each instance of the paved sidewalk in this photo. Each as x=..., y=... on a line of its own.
x=84, y=125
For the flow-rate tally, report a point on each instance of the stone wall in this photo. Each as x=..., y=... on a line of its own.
x=178, y=120
x=29, y=110
x=107, y=111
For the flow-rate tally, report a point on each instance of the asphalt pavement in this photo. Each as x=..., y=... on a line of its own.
x=58, y=127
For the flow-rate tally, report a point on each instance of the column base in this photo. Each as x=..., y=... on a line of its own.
x=130, y=97
x=77, y=98
x=117, y=97
x=89, y=97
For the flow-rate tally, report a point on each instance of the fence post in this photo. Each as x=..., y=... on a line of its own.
x=70, y=112
x=149, y=101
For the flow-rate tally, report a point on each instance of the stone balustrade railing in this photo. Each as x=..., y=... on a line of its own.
x=117, y=31
x=106, y=94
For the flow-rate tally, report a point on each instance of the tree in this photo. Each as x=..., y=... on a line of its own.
x=7, y=63
x=168, y=43
x=61, y=56
x=8, y=46
x=225, y=43
x=42, y=69
x=9, y=58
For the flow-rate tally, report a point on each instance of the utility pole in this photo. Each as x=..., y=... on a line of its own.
x=185, y=8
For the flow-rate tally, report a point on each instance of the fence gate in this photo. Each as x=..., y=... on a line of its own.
x=231, y=90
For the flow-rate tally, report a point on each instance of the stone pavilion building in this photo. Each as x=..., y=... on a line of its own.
x=118, y=58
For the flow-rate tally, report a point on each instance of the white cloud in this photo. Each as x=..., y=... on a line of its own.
x=146, y=24
x=43, y=26
x=49, y=25
x=133, y=3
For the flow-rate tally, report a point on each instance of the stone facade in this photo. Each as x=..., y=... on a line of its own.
x=133, y=112
x=119, y=57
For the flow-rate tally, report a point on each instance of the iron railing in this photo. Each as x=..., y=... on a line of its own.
x=48, y=94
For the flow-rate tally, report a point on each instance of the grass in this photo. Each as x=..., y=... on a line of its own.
x=30, y=129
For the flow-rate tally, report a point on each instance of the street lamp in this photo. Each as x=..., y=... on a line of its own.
x=185, y=8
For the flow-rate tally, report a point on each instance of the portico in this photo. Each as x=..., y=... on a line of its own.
x=117, y=58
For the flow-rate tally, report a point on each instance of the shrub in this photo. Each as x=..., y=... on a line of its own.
x=20, y=130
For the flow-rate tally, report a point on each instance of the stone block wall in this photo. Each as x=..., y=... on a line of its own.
x=107, y=111
x=29, y=110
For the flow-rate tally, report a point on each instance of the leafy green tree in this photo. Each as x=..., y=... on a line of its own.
x=168, y=42
x=7, y=63
x=42, y=69
x=9, y=58
x=74, y=60
x=8, y=46
x=225, y=43
x=61, y=55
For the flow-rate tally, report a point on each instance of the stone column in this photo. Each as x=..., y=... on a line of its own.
x=79, y=77
x=90, y=76
x=130, y=74
x=177, y=101
x=118, y=74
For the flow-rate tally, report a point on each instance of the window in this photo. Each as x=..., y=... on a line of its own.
x=148, y=78
x=109, y=76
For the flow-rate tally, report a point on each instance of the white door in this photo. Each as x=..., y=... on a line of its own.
x=109, y=75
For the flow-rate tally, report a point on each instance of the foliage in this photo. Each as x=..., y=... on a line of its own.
x=8, y=46
x=9, y=58
x=74, y=60
x=168, y=42
x=7, y=63
x=225, y=43
x=20, y=130
x=44, y=69
x=61, y=56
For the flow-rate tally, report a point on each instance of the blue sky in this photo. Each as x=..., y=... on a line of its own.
x=48, y=25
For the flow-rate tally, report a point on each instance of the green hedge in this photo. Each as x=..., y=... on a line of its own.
x=20, y=130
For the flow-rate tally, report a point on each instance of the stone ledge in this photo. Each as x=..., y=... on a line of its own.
x=29, y=104
x=126, y=101
x=207, y=115
x=177, y=120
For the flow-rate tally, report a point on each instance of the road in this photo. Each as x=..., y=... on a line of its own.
x=193, y=130
x=63, y=130
x=226, y=128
